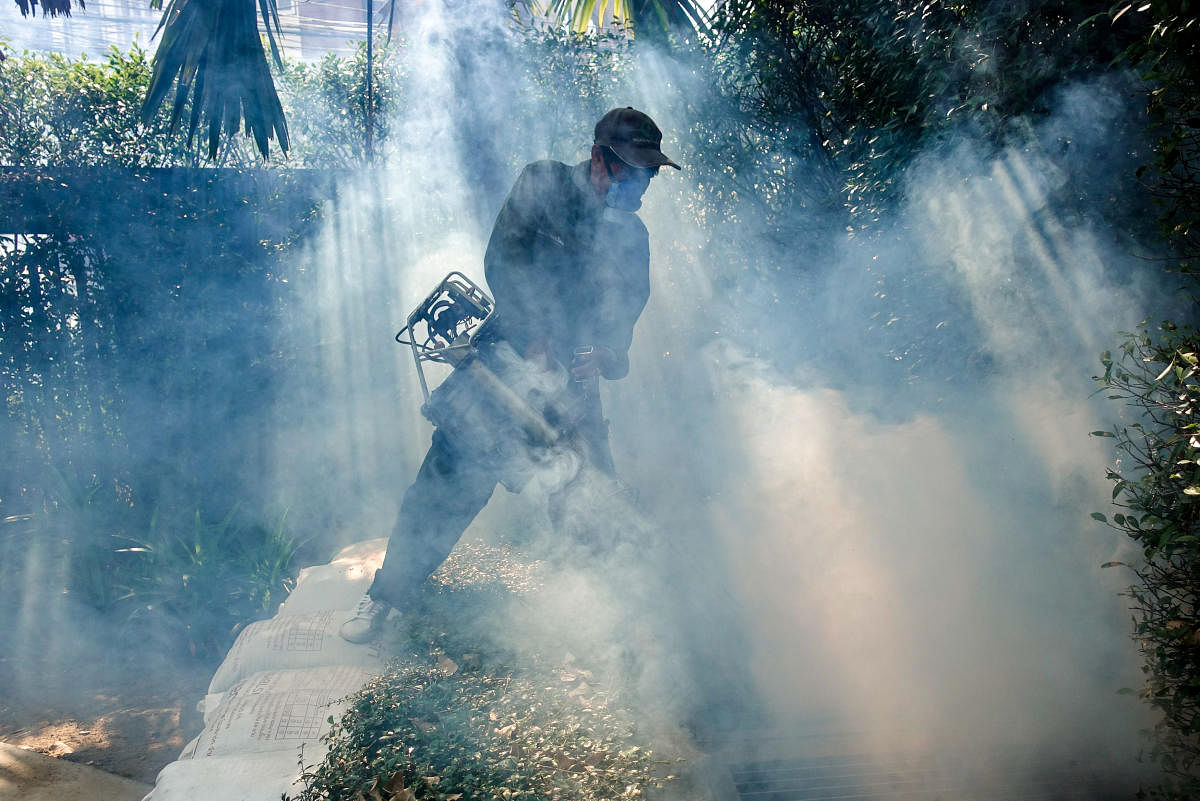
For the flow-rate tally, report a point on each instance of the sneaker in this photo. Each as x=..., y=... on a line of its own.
x=367, y=620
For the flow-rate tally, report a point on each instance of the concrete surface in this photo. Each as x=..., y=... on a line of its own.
x=30, y=776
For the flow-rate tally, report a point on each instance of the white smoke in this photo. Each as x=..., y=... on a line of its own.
x=868, y=554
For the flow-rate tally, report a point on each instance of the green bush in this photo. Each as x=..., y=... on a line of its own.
x=326, y=104
x=445, y=724
x=201, y=581
x=1156, y=484
x=172, y=574
x=1164, y=51
x=77, y=112
x=74, y=112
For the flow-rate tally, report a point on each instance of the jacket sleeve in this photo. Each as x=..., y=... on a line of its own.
x=623, y=255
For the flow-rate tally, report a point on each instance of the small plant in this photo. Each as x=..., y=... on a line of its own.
x=1156, y=484
x=170, y=573
x=204, y=580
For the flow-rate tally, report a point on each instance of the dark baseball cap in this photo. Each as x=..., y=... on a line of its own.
x=634, y=137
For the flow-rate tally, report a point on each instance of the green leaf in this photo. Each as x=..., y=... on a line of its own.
x=1100, y=517
x=213, y=54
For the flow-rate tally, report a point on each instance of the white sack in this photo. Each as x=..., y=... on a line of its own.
x=277, y=688
x=368, y=552
x=189, y=750
x=259, y=777
x=278, y=711
x=325, y=587
x=292, y=642
x=339, y=584
x=208, y=706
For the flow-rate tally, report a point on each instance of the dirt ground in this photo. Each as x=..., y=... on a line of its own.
x=122, y=720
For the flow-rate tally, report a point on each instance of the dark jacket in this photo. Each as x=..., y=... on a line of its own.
x=565, y=272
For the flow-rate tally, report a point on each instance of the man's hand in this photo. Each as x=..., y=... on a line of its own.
x=538, y=352
x=592, y=361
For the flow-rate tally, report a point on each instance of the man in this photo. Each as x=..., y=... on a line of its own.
x=568, y=263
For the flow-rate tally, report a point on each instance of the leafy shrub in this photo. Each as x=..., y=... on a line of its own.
x=1156, y=483
x=1166, y=45
x=62, y=111
x=201, y=581
x=326, y=103
x=171, y=575
x=874, y=82
x=77, y=112
x=436, y=727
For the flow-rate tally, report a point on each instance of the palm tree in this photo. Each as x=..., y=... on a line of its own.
x=212, y=53
x=50, y=8
x=648, y=17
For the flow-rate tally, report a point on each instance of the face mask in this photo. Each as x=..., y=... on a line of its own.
x=623, y=196
x=626, y=195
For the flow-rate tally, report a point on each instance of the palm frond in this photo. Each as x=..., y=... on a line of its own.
x=643, y=16
x=665, y=15
x=211, y=52
x=50, y=8
x=270, y=14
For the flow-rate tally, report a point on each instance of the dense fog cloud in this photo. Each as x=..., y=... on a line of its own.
x=833, y=537
x=862, y=479
x=912, y=550
x=876, y=547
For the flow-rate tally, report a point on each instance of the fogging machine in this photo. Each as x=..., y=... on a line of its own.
x=443, y=326
x=443, y=329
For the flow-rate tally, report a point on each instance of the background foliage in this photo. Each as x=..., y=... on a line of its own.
x=803, y=110
x=1156, y=484
x=131, y=473
x=327, y=108
x=72, y=112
